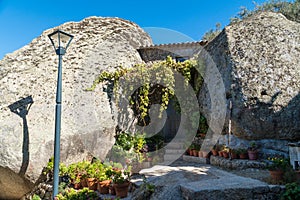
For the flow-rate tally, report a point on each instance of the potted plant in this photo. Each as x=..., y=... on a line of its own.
x=225, y=152
x=243, y=154
x=215, y=150
x=253, y=151
x=120, y=181
x=92, y=171
x=75, y=176
x=233, y=153
x=103, y=180
x=196, y=150
x=277, y=166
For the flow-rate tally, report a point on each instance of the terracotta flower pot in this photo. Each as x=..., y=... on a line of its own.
x=77, y=186
x=225, y=154
x=252, y=155
x=112, y=190
x=233, y=155
x=191, y=152
x=243, y=156
x=214, y=152
x=121, y=189
x=92, y=183
x=83, y=182
x=276, y=175
x=220, y=153
x=103, y=186
x=195, y=152
x=205, y=154
x=200, y=154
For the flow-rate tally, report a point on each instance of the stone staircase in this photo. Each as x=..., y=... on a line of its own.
x=174, y=151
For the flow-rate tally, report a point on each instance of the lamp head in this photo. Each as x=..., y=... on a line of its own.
x=60, y=41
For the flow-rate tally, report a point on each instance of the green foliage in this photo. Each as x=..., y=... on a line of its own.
x=48, y=170
x=212, y=33
x=292, y=192
x=119, y=176
x=289, y=9
x=278, y=163
x=72, y=194
x=36, y=197
x=142, y=74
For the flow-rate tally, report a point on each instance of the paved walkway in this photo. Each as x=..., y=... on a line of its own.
x=183, y=180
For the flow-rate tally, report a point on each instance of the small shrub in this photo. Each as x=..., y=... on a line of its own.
x=292, y=192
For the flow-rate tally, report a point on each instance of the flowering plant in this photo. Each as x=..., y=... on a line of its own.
x=278, y=163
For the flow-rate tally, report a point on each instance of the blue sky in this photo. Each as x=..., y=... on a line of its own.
x=21, y=21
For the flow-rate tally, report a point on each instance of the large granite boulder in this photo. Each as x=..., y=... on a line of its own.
x=88, y=125
x=259, y=59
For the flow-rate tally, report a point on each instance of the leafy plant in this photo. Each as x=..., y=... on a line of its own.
x=144, y=74
x=36, y=197
x=72, y=194
x=290, y=9
x=278, y=163
x=119, y=176
x=292, y=192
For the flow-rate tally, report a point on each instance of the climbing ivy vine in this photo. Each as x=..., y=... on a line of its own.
x=156, y=83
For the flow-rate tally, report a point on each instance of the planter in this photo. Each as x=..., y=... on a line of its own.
x=103, y=186
x=121, y=189
x=225, y=154
x=214, y=152
x=205, y=154
x=243, y=155
x=77, y=186
x=200, y=154
x=233, y=155
x=195, y=152
x=191, y=152
x=220, y=153
x=92, y=183
x=83, y=182
x=112, y=190
x=276, y=175
x=252, y=155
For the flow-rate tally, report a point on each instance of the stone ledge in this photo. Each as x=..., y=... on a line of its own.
x=236, y=163
x=195, y=159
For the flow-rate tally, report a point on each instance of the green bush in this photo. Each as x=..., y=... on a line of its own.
x=292, y=192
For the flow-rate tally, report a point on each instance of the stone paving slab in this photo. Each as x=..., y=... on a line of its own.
x=184, y=180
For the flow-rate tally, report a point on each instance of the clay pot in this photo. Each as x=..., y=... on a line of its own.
x=214, y=152
x=92, y=183
x=243, y=156
x=225, y=154
x=83, y=182
x=121, y=189
x=205, y=154
x=276, y=175
x=103, y=186
x=252, y=155
x=233, y=155
x=220, y=153
x=195, y=152
x=112, y=190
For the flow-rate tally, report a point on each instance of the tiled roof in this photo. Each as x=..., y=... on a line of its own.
x=183, y=44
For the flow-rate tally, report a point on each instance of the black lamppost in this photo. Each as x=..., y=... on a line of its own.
x=60, y=41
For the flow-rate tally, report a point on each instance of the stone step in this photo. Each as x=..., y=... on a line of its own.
x=176, y=145
x=195, y=159
x=171, y=157
x=174, y=151
x=229, y=188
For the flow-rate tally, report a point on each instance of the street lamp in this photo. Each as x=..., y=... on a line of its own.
x=60, y=41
